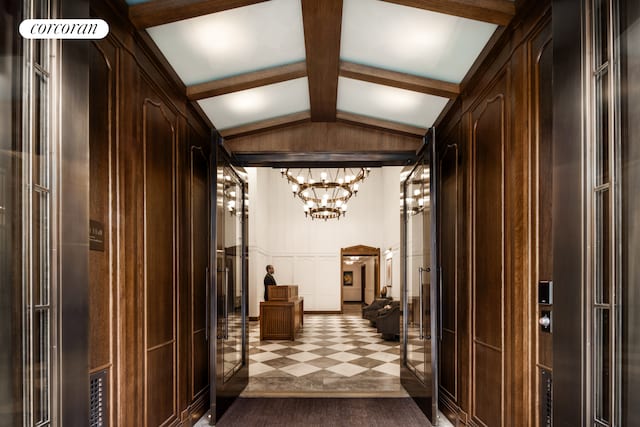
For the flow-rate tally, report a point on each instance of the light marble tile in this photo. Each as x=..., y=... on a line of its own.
x=261, y=357
x=300, y=369
x=258, y=368
x=385, y=357
x=347, y=369
x=306, y=347
x=388, y=368
x=342, y=347
x=304, y=356
x=343, y=357
x=376, y=347
x=271, y=347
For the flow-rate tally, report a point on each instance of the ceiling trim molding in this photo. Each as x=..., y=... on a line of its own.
x=313, y=137
x=322, y=21
x=247, y=81
x=264, y=125
x=326, y=159
x=399, y=80
x=386, y=125
x=498, y=12
x=158, y=12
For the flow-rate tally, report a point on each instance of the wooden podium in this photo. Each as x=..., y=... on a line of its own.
x=283, y=315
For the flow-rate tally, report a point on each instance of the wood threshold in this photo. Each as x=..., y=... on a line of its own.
x=399, y=80
x=247, y=81
x=380, y=124
x=273, y=123
x=158, y=12
x=498, y=12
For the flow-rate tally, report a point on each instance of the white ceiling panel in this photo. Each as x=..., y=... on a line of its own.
x=234, y=41
x=388, y=103
x=261, y=103
x=410, y=40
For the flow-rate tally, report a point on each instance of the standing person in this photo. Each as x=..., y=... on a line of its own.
x=269, y=280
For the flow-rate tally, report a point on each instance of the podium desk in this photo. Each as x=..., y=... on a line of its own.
x=282, y=316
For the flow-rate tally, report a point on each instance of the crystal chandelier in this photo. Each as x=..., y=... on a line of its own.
x=325, y=192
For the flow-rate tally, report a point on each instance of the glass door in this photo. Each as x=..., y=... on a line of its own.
x=419, y=297
x=230, y=287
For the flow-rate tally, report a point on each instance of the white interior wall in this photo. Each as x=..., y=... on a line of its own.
x=391, y=218
x=306, y=252
x=370, y=290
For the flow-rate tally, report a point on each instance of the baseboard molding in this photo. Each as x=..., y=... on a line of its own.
x=324, y=312
x=198, y=407
x=252, y=318
x=451, y=410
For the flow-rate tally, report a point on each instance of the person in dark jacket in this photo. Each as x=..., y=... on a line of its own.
x=269, y=280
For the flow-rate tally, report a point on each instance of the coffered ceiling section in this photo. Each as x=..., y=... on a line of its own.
x=258, y=65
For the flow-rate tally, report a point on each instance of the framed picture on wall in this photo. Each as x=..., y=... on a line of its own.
x=389, y=271
x=347, y=278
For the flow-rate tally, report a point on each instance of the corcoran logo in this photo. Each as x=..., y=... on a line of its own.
x=64, y=29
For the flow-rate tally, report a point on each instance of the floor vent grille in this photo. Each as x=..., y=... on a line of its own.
x=98, y=399
x=546, y=399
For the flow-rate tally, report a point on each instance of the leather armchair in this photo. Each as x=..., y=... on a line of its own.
x=370, y=312
x=388, y=321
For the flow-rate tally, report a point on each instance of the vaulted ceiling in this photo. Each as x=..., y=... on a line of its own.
x=321, y=75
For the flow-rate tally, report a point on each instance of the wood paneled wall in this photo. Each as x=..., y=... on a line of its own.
x=149, y=160
x=488, y=154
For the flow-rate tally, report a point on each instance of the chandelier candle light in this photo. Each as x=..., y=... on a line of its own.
x=325, y=192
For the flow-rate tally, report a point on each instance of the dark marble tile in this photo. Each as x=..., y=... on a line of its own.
x=323, y=362
x=286, y=351
x=280, y=363
x=324, y=351
x=366, y=362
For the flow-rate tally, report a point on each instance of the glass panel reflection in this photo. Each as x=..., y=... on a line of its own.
x=232, y=280
x=417, y=202
x=602, y=365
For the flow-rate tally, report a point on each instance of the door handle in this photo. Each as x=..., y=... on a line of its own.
x=207, y=304
x=440, y=301
x=226, y=303
x=421, y=298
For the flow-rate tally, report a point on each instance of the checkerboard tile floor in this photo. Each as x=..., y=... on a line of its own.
x=333, y=354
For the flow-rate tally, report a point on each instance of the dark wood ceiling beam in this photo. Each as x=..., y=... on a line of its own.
x=314, y=137
x=380, y=124
x=399, y=80
x=247, y=81
x=497, y=12
x=268, y=124
x=322, y=25
x=158, y=12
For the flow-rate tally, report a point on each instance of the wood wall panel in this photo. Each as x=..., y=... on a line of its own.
x=199, y=220
x=160, y=281
x=102, y=84
x=541, y=60
x=487, y=407
x=493, y=123
x=159, y=358
x=488, y=138
x=161, y=395
x=159, y=134
x=488, y=281
x=103, y=207
x=449, y=198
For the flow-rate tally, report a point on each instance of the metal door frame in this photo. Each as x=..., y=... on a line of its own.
x=221, y=396
x=415, y=387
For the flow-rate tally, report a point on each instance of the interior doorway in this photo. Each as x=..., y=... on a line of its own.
x=360, y=274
